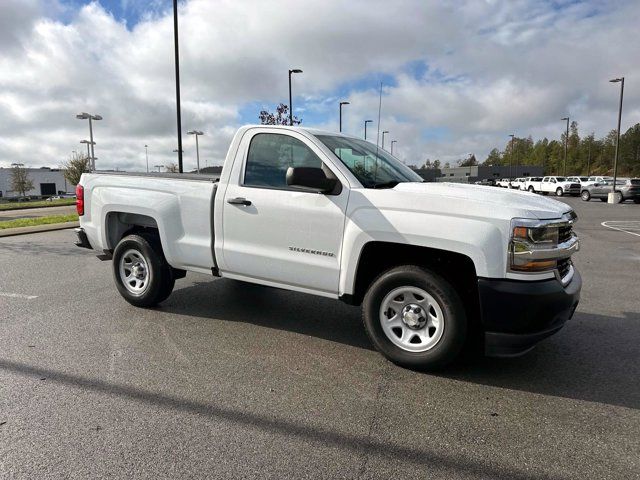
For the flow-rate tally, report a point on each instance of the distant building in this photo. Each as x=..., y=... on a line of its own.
x=478, y=172
x=46, y=182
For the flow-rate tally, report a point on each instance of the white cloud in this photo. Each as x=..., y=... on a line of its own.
x=494, y=68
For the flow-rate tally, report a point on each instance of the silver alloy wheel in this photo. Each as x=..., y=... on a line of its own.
x=412, y=319
x=134, y=272
x=559, y=192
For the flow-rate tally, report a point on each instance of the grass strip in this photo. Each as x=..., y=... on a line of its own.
x=38, y=204
x=32, y=222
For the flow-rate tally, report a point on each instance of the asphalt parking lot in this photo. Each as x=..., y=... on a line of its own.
x=228, y=380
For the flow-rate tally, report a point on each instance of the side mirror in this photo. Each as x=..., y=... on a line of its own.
x=310, y=179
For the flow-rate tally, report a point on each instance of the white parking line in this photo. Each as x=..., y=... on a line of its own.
x=631, y=227
x=18, y=295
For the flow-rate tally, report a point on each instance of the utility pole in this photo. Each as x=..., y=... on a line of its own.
x=146, y=152
x=177, y=57
x=392, y=142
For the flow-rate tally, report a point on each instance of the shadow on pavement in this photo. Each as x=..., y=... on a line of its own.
x=593, y=358
x=357, y=444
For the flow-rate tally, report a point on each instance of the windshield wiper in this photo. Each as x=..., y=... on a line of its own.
x=390, y=184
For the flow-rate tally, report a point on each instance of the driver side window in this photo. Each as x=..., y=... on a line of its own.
x=269, y=157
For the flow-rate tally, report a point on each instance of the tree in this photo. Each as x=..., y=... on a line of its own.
x=20, y=181
x=447, y=165
x=427, y=164
x=75, y=167
x=493, y=159
x=436, y=164
x=281, y=117
x=172, y=168
x=468, y=162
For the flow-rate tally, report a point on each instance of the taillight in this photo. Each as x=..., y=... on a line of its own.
x=80, y=199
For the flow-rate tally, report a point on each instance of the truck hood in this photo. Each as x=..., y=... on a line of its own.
x=502, y=202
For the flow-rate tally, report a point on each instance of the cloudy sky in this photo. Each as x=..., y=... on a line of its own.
x=458, y=76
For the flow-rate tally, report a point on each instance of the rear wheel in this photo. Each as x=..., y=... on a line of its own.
x=586, y=196
x=415, y=318
x=142, y=275
x=559, y=192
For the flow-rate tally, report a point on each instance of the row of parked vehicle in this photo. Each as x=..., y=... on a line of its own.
x=587, y=187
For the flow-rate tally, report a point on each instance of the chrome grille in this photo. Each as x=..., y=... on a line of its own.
x=563, y=267
x=565, y=232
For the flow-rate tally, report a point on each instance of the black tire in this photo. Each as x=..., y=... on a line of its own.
x=454, y=332
x=160, y=279
x=531, y=189
x=559, y=192
x=603, y=199
x=636, y=200
x=585, y=195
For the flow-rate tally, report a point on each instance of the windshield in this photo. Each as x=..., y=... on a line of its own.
x=635, y=181
x=373, y=167
x=561, y=179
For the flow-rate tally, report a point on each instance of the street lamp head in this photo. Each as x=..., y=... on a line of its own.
x=195, y=132
x=565, y=118
x=368, y=121
x=385, y=131
x=295, y=70
x=616, y=80
x=82, y=116
x=344, y=103
x=97, y=117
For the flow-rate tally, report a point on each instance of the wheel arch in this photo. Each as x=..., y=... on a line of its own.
x=377, y=257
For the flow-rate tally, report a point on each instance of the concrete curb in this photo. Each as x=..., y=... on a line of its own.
x=31, y=207
x=10, y=232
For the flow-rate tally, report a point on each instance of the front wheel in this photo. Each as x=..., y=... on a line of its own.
x=531, y=189
x=559, y=192
x=415, y=318
x=586, y=196
x=142, y=275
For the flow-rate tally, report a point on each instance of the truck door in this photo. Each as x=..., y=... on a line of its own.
x=273, y=232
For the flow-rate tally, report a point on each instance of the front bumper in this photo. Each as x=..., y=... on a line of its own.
x=516, y=315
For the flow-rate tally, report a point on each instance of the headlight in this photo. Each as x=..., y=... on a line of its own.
x=536, y=246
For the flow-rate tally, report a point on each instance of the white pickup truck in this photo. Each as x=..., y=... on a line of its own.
x=435, y=266
x=560, y=186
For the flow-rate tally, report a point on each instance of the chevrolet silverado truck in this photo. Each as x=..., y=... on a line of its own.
x=435, y=266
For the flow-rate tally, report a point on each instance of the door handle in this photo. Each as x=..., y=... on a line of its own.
x=239, y=201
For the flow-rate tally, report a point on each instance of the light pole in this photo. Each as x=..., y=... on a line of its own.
x=383, y=132
x=341, y=104
x=177, y=57
x=589, y=158
x=90, y=117
x=566, y=144
x=158, y=167
x=511, y=156
x=365, y=127
x=615, y=161
x=88, y=142
x=197, y=133
x=295, y=70
x=146, y=154
x=392, y=142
